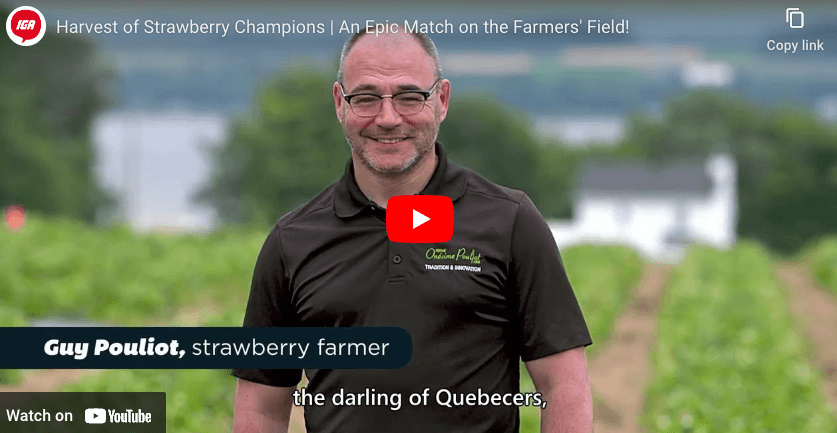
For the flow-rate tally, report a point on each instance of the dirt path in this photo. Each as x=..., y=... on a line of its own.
x=620, y=373
x=816, y=310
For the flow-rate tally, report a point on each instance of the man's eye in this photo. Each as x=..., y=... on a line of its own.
x=410, y=98
x=365, y=100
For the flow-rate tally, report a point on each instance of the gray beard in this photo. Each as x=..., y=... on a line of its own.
x=370, y=163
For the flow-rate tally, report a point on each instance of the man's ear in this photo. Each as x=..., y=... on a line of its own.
x=339, y=102
x=444, y=99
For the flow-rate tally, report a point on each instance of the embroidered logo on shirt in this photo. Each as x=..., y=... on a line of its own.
x=461, y=255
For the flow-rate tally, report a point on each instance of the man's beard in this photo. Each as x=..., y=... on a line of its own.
x=407, y=165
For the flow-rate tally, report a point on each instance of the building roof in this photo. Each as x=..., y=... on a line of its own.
x=684, y=177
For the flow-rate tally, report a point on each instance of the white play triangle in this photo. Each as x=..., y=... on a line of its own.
x=419, y=218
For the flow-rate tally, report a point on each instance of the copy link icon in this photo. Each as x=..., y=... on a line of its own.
x=26, y=26
x=95, y=415
x=791, y=14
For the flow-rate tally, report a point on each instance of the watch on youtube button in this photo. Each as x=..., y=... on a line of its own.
x=420, y=218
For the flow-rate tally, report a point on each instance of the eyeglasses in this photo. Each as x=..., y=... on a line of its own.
x=405, y=103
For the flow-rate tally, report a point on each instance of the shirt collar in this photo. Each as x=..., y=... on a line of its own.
x=447, y=179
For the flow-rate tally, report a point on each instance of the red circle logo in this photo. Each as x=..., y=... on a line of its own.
x=26, y=26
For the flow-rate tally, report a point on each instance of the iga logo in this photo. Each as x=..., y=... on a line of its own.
x=26, y=26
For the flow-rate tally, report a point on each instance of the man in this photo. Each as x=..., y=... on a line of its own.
x=329, y=263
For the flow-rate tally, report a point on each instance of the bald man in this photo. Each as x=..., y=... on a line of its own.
x=496, y=293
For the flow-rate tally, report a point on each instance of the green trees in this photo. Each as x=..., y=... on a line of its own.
x=787, y=161
x=499, y=143
x=292, y=147
x=289, y=149
x=483, y=135
x=51, y=91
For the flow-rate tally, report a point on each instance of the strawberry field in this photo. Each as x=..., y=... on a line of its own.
x=727, y=355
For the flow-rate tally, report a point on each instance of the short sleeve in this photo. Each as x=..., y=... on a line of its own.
x=549, y=319
x=269, y=305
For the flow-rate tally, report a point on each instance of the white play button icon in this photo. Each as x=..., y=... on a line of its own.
x=419, y=218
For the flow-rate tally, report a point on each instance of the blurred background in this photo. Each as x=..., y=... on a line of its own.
x=688, y=172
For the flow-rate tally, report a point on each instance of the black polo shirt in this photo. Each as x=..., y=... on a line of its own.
x=474, y=306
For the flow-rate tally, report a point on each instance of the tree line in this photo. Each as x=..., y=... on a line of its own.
x=49, y=95
x=291, y=147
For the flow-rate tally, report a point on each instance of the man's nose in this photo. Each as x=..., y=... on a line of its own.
x=388, y=115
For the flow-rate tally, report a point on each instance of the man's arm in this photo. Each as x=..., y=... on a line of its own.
x=562, y=381
x=261, y=408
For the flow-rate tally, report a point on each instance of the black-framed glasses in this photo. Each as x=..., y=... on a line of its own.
x=405, y=103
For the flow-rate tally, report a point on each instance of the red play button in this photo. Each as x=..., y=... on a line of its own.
x=420, y=218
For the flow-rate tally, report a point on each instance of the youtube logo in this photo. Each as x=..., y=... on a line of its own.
x=419, y=218
x=95, y=415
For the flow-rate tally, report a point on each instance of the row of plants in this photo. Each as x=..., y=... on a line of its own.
x=62, y=268
x=196, y=400
x=603, y=278
x=65, y=269
x=822, y=259
x=10, y=316
x=728, y=357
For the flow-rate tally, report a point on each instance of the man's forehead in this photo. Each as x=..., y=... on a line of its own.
x=387, y=38
x=388, y=54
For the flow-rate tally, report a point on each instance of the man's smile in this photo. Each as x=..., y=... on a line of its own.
x=388, y=140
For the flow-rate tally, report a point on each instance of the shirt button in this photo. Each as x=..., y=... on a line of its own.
x=396, y=259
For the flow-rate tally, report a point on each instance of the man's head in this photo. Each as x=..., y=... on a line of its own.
x=401, y=134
